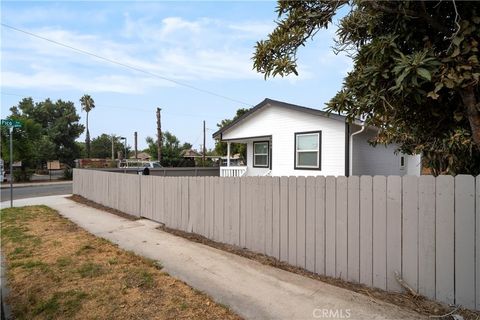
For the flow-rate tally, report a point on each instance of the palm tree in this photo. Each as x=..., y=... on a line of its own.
x=87, y=104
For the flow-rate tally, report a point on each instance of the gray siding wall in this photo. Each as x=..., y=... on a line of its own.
x=379, y=160
x=360, y=229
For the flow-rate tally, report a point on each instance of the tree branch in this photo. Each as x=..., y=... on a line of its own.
x=414, y=14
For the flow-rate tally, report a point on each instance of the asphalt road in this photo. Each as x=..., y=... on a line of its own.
x=36, y=191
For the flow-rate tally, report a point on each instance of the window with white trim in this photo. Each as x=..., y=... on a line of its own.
x=261, y=154
x=307, y=150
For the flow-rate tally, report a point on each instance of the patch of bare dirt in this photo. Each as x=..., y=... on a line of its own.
x=57, y=270
x=82, y=200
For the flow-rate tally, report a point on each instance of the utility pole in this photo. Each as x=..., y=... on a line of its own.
x=159, y=136
x=135, y=137
x=113, y=147
x=204, y=148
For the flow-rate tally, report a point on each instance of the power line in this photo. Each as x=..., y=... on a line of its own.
x=191, y=115
x=126, y=65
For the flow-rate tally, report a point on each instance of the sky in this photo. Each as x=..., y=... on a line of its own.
x=200, y=44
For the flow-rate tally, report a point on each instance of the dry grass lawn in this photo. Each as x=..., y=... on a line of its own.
x=57, y=270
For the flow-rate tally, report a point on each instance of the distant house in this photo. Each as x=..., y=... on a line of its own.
x=284, y=139
x=143, y=156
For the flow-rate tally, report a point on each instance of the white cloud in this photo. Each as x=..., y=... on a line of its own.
x=176, y=48
x=253, y=29
x=54, y=80
x=340, y=62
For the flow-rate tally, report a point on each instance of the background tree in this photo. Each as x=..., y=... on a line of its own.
x=171, y=150
x=26, y=146
x=221, y=147
x=59, y=128
x=101, y=146
x=415, y=76
x=87, y=105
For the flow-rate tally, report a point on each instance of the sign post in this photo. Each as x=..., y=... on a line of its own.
x=11, y=124
x=11, y=167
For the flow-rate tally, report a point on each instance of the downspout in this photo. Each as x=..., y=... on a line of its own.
x=350, y=146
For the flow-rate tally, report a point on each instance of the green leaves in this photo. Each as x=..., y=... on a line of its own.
x=424, y=73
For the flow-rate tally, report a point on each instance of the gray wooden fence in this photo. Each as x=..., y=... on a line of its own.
x=360, y=229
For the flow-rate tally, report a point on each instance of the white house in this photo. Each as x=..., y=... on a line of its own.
x=289, y=140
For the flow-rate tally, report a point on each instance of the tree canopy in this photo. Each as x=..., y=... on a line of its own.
x=48, y=132
x=171, y=150
x=221, y=147
x=415, y=76
x=101, y=146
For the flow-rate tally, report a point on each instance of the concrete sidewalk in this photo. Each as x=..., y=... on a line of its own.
x=252, y=290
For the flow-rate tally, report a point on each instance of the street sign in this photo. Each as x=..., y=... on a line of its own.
x=11, y=123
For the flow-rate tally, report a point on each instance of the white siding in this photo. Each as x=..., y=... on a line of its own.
x=379, y=160
x=281, y=123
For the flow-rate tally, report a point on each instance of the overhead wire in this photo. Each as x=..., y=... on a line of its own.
x=85, y=52
x=191, y=115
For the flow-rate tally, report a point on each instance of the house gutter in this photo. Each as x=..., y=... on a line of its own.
x=350, y=147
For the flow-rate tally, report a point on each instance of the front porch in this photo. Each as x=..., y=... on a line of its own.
x=258, y=158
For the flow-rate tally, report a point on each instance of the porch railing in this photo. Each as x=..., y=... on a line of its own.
x=236, y=171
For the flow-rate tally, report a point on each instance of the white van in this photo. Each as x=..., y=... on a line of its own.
x=139, y=164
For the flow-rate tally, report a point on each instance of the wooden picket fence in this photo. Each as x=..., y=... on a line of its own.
x=361, y=229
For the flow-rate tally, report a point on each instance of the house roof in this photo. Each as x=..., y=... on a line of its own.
x=267, y=102
x=190, y=153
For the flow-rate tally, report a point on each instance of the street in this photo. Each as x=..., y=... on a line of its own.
x=37, y=191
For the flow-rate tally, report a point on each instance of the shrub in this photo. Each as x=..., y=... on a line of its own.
x=68, y=174
x=22, y=175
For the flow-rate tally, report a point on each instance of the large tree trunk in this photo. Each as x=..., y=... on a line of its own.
x=473, y=113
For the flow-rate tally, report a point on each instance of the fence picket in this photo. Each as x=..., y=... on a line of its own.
x=320, y=225
x=380, y=232
x=330, y=225
x=366, y=230
x=275, y=217
x=268, y=215
x=465, y=240
x=243, y=211
x=341, y=234
x=426, y=236
x=310, y=224
x=444, y=241
x=284, y=219
x=301, y=239
x=292, y=220
x=235, y=213
x=185, y=207
x=218, y=230
x=477, y=241
x=394, y=231
x=353, y=227
x=227, y=209
x=410, y=231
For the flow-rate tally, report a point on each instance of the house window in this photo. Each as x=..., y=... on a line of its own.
x=307, y=150
x=261, y=154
